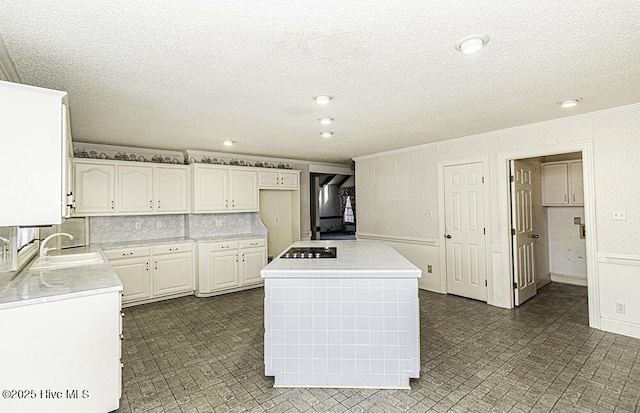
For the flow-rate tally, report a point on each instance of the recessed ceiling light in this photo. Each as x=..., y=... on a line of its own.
x=472, y=44
x=326, y=134
x=323, y=99
x=569, y=103
x=228, y=143
x=326, y=121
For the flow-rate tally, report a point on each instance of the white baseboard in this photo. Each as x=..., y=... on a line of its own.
x=430, y=286
x=620, y=327
x=569, y=279
x=543, y=280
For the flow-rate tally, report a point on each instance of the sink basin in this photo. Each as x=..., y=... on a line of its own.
x=70, y=260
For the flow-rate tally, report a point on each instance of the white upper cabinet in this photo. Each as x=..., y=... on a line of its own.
x=224, y=189
x=135, y=189
x=94, y=188
x=279, y=179
x=127, y=188
x=171, y=189
x=562, y=183
x=244, y=190
x=34, y=155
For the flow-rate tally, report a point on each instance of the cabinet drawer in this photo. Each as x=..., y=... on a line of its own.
x=223, y=246
x=172, y=248
x=115, y=254
x=250, y=243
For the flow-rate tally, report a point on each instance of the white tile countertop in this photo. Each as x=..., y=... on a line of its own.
x=29, y=287
x=355, y=259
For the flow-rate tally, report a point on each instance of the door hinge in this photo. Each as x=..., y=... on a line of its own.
x=515, y=286
x=485, y=283
x=513, y=231
x=513, y=178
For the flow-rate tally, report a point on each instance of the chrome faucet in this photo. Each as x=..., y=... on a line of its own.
x=43, y=250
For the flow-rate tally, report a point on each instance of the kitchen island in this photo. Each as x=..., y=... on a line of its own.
x=346, y=321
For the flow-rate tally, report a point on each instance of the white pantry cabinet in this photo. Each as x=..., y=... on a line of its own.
x=34, y=126
x=279, y=179
x=562, y=183
x=230, y=265
x=224, y=189
x=70, y=346
x=154, y=272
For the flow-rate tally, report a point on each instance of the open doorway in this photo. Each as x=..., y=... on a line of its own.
x=547, y=216
x=501, y=286
x=333, y=206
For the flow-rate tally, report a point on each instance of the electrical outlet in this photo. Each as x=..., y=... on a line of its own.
x=429, y=268
x=137, y=225
x=576, y=220
x=159, y=224
x=620, y=215
x=620, y=308
x=218, y=222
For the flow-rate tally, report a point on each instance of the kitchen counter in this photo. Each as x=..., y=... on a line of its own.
x=29, y=287
x=357, y=259
x=351, y=321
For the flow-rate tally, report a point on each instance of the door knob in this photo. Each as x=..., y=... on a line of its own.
x=448, y=236
x=535, y=236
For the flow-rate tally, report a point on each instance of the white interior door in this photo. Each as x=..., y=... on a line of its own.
x=523, y=238
x=465, y=231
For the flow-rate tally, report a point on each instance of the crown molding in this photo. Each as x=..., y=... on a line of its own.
x=7, y=67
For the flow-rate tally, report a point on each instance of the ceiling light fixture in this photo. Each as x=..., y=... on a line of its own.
x=326, y=134
x=569, y=103
x=323, y=99
x=472, y=44
x=326, y=121
x=228, y=143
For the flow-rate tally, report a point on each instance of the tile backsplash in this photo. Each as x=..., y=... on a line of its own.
x=135, y=228
x=209, y=225
x=150, y=227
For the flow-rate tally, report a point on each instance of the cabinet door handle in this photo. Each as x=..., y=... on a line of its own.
x=236, y=257
x=127, y=253
x=173, y=249
x=574, y=197
x=565, y=197
x=112, y=204
x=226, y=203
x=158, y=204
x=254, y=243
x=233, y=203
x=151, y=204
x=156, y=265
x=242, y=257
x=147, y=265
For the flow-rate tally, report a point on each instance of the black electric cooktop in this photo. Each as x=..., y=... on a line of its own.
x=310, y=252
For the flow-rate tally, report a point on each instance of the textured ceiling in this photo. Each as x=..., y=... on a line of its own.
x=190, y=74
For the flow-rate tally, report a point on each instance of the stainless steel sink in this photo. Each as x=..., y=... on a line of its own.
x=69, y=260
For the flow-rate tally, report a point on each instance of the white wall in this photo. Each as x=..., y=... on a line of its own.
x=398, y=191
x=567, y=251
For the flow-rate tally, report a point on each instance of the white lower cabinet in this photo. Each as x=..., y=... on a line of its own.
x=62, y=356
x=231, y=265
x=158, y=271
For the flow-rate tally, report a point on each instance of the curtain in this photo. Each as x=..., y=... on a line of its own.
x=350, y=192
